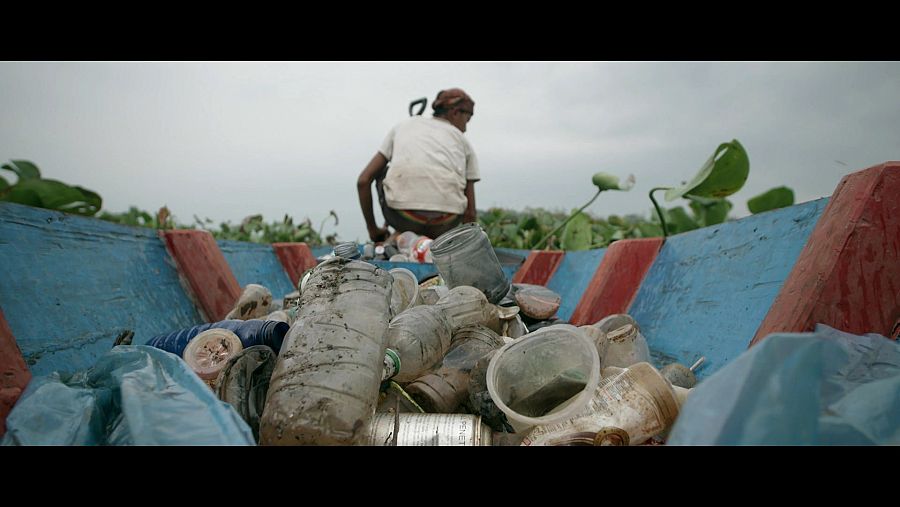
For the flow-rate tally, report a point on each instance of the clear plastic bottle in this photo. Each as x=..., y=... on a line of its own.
x=325, y=385
x=421, y=336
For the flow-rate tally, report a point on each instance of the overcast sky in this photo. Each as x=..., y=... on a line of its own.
x=225, y=140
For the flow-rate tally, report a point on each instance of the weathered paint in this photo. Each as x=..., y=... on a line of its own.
x=256, y=263
x=848, y=275
x=572, y=277
x=69, y=285
x=14, y=374
x=296, y=258
x=201, y=263
x=709, y=289
x=617, y=279
x=539, y=267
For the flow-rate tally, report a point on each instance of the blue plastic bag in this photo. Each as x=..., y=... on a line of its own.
x=134, y=395
x=821, y=388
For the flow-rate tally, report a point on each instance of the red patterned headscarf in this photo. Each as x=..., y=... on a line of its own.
x=448, y=99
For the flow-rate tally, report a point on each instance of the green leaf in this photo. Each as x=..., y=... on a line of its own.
x=775, y=198
x=680, y=220
x=3, y=184
x=577, y=233
x=649, y=230
x=722, y=175
x=24, y=169
x=709, y=211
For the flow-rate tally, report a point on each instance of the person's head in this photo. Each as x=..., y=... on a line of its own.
x=455, y=106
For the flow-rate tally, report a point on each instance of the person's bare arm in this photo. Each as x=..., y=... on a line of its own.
x=470, y=215
x=364, y=188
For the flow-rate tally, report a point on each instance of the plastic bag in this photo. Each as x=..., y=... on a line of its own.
x=134, y=395
x=821, y=388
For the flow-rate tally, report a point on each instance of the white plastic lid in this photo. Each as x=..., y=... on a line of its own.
x=208, y=352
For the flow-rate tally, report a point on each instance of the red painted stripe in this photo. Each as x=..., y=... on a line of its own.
x=14, y=374
x=617, y=279
x=200, y=262
x=539, y=267
x=296, y=258
x=848, y=274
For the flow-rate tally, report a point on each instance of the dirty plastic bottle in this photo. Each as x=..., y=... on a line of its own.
x=251, y=332
x=421, y=336
x=464, y=256
x=465, y=306
x=325, y=385
x=254, y=302
x=445, y=389
x=347, y=250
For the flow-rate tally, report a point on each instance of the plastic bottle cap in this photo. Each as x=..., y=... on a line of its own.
x=391, y=364
x=208, y=352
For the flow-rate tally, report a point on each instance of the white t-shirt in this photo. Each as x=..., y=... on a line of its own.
x=430, y=163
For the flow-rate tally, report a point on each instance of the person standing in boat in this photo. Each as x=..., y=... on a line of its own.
x=429, y=187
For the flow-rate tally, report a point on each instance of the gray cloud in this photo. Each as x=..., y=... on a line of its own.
x=225, y=140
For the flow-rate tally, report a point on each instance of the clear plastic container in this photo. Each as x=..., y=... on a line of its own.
x=624, y=345
x=404, y=290
x=464, y=256
x=325, y=385
x=545, y=376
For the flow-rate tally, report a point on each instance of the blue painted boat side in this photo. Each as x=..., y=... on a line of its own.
x=256, y=263
x=69, y=285
x=572, y=277
x=709, y=289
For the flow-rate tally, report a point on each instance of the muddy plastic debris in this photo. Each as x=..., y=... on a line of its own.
x=255, y=301
x=347, y=250
x=209, y=352
x=427, y=430
x=394, y=398
x=682, y=376
x=466, y=306
x=448, y=386
x=464, y=257
x=545, y=376
x=326, y=381
x=244, y=381
x=627, y=408
x=480, y=402
x=536, y=301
